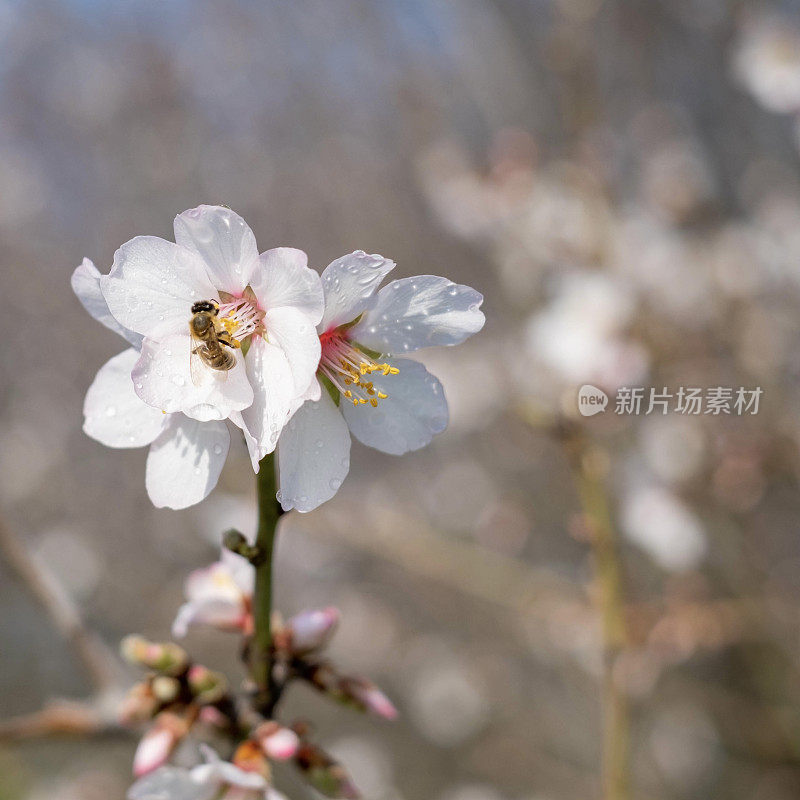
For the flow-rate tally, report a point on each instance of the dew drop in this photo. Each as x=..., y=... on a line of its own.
x=218, y=449
x=334, y=483
x=303, y=498
x=319, y=443
x=197, y=470
x=111, y=411
x=178, y=380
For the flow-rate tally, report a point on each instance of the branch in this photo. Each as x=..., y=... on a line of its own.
x=44, y=588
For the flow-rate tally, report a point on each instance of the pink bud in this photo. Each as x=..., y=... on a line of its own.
x=154, y=750
x=277, y=742
x=158, y=743
x=368, y=695
x=311, y=630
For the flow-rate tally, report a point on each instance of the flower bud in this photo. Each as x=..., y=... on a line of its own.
x=167, y=658
x=277, y=742
x=140, y=704
x=311, y=630
x=206, y=685
x=158, y=744
x=367, y=696
x=165, y=689
x=324, y=774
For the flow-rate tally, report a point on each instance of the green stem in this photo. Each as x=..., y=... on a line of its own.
x=261, y=654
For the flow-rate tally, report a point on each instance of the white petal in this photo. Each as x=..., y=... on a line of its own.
x=171, y=783
x=273, y=389
x=215, y=582
x=113, y=413
x=284, y=279
x=291, y=330
x=409, y=418
x=184, y=463
x=214, y=613
x=420, y=312
x=225, y=243
x=349, y=284
x=313, y=455
x=86, y=285
x=152, y=285
x=163, y=379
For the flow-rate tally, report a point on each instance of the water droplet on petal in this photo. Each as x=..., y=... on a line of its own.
x=334, y=483
x=218, y=449
x=178, y=380
x=111, y=411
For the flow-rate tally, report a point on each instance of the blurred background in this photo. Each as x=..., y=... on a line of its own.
x=621, y=179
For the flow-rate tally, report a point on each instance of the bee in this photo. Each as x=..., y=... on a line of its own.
x=211, y=341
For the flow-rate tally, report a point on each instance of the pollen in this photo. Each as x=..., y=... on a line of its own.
x=348, y=368
x=240, y=318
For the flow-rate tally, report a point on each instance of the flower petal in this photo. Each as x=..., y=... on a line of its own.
x=86, y=285
x=225, y=243
x=152, y=285
x=211, y=612
x=113, y=413
x=420, y=312
x=184, y=463
x=292, y=331
x=313, y=455
x=163, y=379
x=174, y=783
x=284, y=279
x=271, y=376
x=349, y=284
x=414, y=411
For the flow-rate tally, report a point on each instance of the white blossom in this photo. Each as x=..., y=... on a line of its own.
x=219, y=595
x=268, y=304
x=215, y=779
x=387, y=402
x=186, y=456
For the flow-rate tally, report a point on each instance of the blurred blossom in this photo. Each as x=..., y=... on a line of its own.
x=446, y=700
x=664, y=266
x=685, y=745
x=658, y=522
x=579, y=335
x=219, y=596
x=767, y=62
x=673, y=446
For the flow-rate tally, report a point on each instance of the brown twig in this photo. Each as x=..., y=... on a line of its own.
x=93, y=654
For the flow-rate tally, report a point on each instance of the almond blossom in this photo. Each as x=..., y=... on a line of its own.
x=387, y=402
x=219, y=596
x=215, y=779
x=186, y=456
x=268, y=306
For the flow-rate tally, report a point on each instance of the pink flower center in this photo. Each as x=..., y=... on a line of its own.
x=241, y=317
x=348, y=369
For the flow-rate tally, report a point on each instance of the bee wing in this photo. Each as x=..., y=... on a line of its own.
x=197, y=368
x=202, y=374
